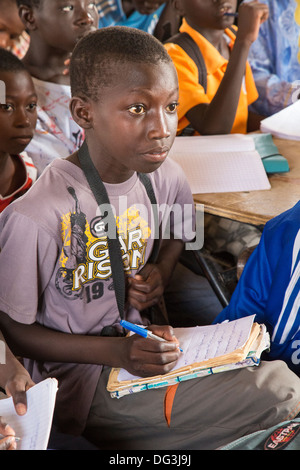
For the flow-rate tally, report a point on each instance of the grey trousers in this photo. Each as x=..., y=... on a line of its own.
x=207, y=413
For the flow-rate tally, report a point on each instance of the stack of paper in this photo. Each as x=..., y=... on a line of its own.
x=222, y=163
x=206, y=350
x=34, y=427
x=285, y=123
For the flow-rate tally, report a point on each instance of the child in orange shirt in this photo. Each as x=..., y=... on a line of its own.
x=223, y=107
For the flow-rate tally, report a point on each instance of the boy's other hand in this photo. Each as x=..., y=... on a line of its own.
x=145, y=357
x=251, y=16
x=16, y=387
x=145, y=288
x=7, y=442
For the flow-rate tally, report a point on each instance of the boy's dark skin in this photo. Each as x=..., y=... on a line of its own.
x=207, y=17
x=54, y=30
x=15, y=380
x=142, y=111
x=18, y=117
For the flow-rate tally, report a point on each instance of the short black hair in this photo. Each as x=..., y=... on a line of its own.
x=29, y=3
x=10, y=62
x=96, y=57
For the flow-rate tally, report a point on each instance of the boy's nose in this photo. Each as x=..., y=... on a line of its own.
x=22, y=119
x=84, y=16
x=159, y=128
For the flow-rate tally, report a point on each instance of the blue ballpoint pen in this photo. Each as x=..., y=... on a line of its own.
x=141, y=331
x=231, y=14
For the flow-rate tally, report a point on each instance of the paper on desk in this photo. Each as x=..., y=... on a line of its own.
x=34, y=427
x=207, y=342
x=217, y=164
x=285, y=123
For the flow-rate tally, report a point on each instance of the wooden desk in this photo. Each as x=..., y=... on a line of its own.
x=257, y=207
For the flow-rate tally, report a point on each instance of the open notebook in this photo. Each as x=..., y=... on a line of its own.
x=206, y=350
x=220, y=163
x=34, y=427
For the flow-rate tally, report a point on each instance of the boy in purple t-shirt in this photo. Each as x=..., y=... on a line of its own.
x=124, y=95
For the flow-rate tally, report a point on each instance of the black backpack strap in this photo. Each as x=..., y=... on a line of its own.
x=187, y=43
x=114, y=249
x=232, y=29
x=149, y=188
x=99, y=191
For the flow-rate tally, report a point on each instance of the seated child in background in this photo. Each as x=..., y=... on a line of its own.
x=15, y=380
x=12, y=32
x=274, y=58
x=223, y=107
x=156, y=17
x=54, y=30
x=18, y=115
x=124, y=95
x=269, y=287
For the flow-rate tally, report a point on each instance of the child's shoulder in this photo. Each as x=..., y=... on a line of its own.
x=283, y=229
x=46, y=192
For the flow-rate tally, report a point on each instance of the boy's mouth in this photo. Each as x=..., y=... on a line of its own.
x=156, y=155
x=225, y=9
x=23, y=139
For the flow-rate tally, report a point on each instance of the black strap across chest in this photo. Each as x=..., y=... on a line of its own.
x=101, y=196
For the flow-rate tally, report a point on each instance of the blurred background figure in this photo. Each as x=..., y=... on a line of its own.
x=12, y=31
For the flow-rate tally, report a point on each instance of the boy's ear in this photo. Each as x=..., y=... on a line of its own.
x=27, y=16
x=80, y=110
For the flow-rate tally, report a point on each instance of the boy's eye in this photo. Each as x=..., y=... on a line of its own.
x=171, y=108
x=67, y=8
x=7, y=107
x=137, y=109
x=32, y=106
x=92, y=5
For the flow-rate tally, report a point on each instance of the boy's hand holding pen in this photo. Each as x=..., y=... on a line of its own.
x=145, y=333
x=250, y=16
x=145, y=356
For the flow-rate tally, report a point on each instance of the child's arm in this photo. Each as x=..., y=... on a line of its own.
x=140, y=356
x=147, y=287
x=218, y=116
x=15, y=379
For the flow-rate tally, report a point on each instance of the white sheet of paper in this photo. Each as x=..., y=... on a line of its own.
x=34, y=427
x=217, y=164
x=285, y=123
x=201, y=343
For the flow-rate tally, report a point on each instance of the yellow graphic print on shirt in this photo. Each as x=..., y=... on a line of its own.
x=84, y=258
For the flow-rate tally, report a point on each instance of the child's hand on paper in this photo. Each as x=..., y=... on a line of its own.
x=145, y=288
x=7, y=442
x=16, y=386
x=145, y=357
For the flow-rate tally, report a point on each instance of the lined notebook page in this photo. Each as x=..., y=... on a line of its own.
x=201, y=343
x=34, y=427
x=217, y=164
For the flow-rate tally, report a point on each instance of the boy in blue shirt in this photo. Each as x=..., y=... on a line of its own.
x=269, y=287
